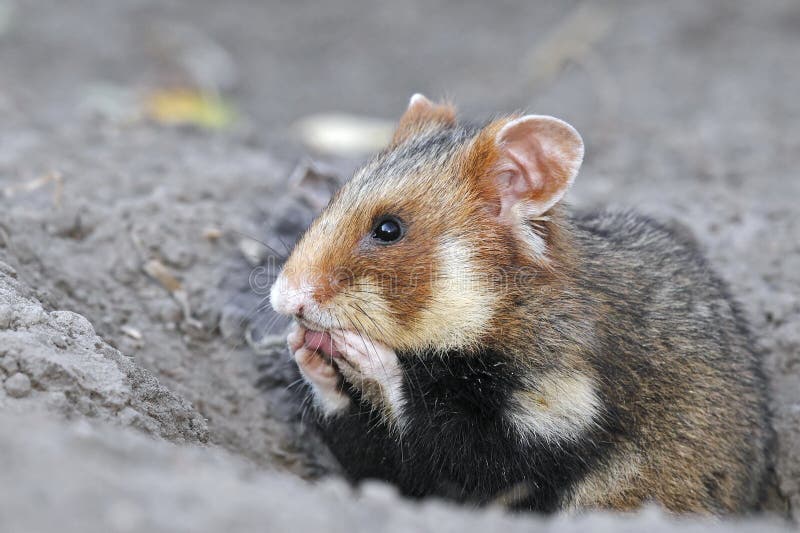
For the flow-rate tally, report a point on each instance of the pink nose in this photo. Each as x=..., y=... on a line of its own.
x=289, y=299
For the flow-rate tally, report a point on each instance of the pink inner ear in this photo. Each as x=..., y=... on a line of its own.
x=513, y=188
x=539, y=158
x=525, y=175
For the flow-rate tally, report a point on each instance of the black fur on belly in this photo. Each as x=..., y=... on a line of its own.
x=457, y=442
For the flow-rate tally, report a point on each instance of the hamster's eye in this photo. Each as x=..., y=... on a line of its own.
x=387, y=230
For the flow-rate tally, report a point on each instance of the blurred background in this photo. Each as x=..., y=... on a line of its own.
x=602, y=65
x=149, y=150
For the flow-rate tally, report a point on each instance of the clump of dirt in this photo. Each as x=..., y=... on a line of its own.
x=153, y=255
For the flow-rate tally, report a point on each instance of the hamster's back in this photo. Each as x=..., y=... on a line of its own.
x=678, y=367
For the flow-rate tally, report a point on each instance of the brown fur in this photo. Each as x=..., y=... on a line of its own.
x=423, y=115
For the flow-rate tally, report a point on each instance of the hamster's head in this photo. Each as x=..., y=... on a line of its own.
x=424, y=247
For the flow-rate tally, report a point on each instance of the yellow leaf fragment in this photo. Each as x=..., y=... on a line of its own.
x=186, y=106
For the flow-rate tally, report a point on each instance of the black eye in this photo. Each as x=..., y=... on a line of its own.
x=387, y=230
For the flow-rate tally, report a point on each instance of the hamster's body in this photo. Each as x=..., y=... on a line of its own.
x=496, y=349
x=681, y=422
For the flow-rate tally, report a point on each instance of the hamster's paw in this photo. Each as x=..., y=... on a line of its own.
x=296, y=337
x=373, y=368
x=318, y=372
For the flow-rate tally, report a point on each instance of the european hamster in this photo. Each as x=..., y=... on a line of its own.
x=463, y=335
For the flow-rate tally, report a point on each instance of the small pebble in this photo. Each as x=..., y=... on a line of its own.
x=18, y=385
x=132, y=332
x=253, y=251
x=9, y=364
x=60, y=341
x=212, y=234
x=7, y=316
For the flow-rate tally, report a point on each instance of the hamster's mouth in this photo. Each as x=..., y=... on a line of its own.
x=317, y=339
x=320, y=341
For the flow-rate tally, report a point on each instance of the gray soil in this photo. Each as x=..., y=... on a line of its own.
x=141, y=385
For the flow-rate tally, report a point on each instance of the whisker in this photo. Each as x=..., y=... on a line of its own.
x=278, y=255
x=385, y=372
x=288, y=249
x=295, y=383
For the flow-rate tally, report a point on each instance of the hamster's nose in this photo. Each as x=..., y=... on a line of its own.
x=289, y=299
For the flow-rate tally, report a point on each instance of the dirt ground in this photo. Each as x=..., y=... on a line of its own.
x=129, y=248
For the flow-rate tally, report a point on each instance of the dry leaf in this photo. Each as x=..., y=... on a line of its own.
x=156, y=270
x=185, y=106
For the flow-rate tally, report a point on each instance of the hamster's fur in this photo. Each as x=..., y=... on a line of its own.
x=504, y=350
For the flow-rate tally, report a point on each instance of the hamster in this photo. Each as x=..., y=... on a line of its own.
x=463, y=335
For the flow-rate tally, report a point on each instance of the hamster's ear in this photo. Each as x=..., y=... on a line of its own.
x=423, y=115
x=533, y=162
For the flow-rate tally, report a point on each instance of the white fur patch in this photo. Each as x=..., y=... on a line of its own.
x=284, y=298
x=595, y=490
x=461, y=301
x=537, y=246
x=393, y=392
x=557, y=408
x=375, y=370
x=329, y=402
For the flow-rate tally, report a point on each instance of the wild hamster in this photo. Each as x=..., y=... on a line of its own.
x=463, y=335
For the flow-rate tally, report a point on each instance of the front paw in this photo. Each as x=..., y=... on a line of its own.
x=373, y=368
x=319, y=372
